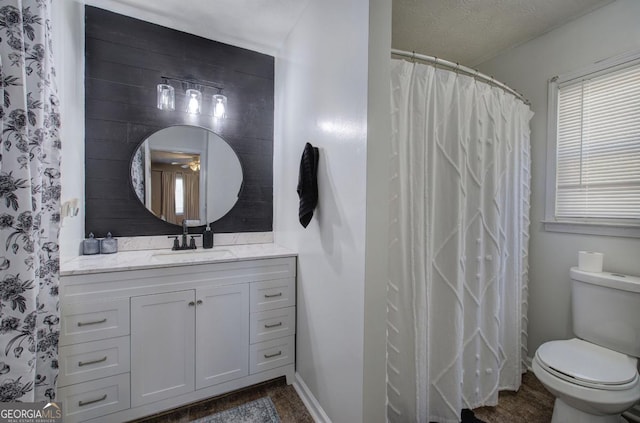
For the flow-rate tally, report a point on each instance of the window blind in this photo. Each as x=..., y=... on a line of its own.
x=598, y=147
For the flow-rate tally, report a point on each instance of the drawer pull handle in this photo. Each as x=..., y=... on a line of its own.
x=273, y=355
x=95, y=322
x=199, y=302
x=86, y=363
x=191, y=303
x=83, y=403
x=275, y=325
x=279, y=294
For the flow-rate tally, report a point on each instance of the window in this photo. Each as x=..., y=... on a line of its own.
x=179, y=194
x=594, y=136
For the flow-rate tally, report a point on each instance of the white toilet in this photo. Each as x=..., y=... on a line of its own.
x=595, y=377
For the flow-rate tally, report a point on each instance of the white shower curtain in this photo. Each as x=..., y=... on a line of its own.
x=459, y=241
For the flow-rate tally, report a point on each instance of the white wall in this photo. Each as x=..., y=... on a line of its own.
x=68, y=26
x=321, y=97
x=606, y=32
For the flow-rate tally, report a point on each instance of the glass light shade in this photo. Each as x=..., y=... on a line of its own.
x=219, y=106
x=166, y=97
x=194, y=101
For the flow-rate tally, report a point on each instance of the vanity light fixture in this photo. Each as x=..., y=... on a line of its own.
x=194, y=96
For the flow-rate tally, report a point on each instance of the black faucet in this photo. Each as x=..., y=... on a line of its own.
x=185, y=233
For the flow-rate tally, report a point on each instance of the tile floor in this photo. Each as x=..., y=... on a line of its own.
x=531, y=404
x=288, y=405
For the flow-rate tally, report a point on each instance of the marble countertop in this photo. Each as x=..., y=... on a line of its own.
x=151, y=259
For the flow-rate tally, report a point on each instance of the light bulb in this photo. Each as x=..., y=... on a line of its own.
x=194, y=101
x=219, y=106
x=219, y=109
x=193, y=105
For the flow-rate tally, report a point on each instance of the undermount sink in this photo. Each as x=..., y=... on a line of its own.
x=188, y=255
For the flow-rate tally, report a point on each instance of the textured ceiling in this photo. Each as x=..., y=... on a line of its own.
x=472, y=31
x=464, y=31
x=260, y=25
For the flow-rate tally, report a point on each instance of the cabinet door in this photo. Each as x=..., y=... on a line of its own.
x=162, y=346
x=222, y=334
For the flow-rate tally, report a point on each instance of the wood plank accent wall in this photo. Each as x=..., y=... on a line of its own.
x=125, y=58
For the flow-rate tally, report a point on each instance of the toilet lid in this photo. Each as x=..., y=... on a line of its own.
x=587, y=364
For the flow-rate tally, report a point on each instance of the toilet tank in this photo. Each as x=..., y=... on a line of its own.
x=606, y=309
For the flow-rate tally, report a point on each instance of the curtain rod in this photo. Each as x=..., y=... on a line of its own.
x=459, y=68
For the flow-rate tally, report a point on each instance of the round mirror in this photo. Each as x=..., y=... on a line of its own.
x=186, y=173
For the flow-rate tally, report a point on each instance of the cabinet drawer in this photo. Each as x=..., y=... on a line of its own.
x=271, y=354
x=272, y=324
x=269, y=295
x=93, y=360
x=97, y=398
x=94, y=321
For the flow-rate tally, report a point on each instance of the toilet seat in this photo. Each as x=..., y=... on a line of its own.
x=585, y=364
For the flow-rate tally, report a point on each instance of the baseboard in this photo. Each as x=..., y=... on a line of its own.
x=527, y=362
x=310, y=401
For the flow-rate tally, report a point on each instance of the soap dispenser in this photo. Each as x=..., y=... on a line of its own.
x=207, y=238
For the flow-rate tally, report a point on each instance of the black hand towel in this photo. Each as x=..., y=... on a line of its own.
x=308, y=184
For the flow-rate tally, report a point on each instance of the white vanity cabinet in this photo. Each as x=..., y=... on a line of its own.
x=206, y=329
x=137, y=342
x=162, y=346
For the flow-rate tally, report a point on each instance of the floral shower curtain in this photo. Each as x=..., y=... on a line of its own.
x=29, y=203
x=457, y=291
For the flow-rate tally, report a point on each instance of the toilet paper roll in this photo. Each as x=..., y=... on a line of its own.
x=590, y=261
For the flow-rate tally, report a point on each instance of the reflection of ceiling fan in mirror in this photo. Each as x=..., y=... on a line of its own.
x=195, y=165
x=176, y=158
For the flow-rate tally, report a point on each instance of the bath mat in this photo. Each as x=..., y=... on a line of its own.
x=261, y=410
